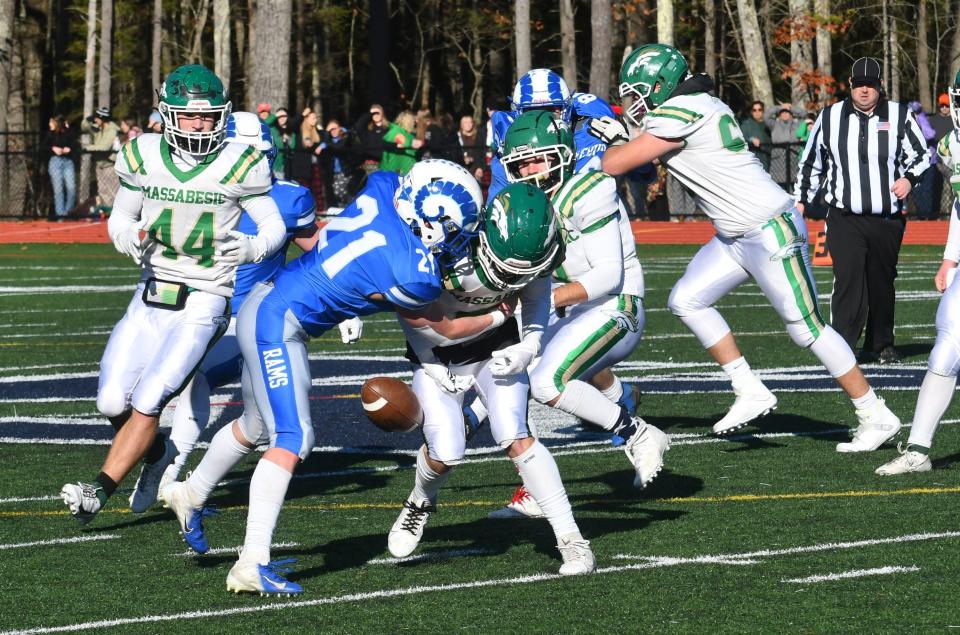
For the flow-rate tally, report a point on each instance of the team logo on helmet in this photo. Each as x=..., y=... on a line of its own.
x=443, y=198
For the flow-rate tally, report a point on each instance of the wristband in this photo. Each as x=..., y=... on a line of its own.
x=498, y=318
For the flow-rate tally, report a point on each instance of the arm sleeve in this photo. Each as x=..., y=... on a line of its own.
x=952, y=250
x=603, y=247
x=812, y=162
x=944, y=151
x=270, y=228
x=535, y=306
x=916, y=154
x=126, y=212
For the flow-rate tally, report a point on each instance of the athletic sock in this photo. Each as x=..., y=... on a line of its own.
x=427, y=483
x=627, y=425
x=615, y=391
x=583, y=400
x=737, y=370
x=107, y=487
x=542, y=479
x=935, y=395
x=917, y=448
x=224, y=452
x=867, y=401
x=268, y=488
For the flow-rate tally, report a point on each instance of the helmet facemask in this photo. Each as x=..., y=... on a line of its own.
x=954, y=92
x=557, y=157
x=639, y=94
x=197, y=143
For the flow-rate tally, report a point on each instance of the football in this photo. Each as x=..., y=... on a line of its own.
x=391, y=404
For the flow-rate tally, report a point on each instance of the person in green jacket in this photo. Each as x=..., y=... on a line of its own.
x=400, y=146
x=755, y=132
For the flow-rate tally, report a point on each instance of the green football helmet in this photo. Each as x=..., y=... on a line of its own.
x=954, y=92
x=539, y=135
x=190, y=90
x=519, y=240
x=649, y=76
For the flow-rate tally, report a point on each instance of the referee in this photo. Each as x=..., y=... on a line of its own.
x=867, y=153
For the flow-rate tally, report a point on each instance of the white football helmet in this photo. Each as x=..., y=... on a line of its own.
x=541, y=88
x=441, y=202
x=249, y=129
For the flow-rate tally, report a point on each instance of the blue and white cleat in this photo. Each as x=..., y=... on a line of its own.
x=179, y=497
x=248, y=576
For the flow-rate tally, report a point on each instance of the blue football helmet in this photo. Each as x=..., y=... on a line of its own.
x=442, y=203
x=541, y=88
x=246, y=127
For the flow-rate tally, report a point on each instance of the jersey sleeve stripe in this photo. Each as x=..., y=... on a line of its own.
x=670, y=115
x=399, y=297
x=131, y=156
x=587, y=182
x=689, y=115
x=239, y=170
x=600, y=223
x=127, y=185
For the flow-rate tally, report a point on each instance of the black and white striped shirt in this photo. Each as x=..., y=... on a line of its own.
x=857, y=157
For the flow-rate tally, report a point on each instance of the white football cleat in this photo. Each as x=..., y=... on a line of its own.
x=577, y=557
x=249, y=576
x=407, y=531
x=181, y=499
x=145, y=491
x=522, y=505
x=753, y=401
x=908, y=461
x=877, y=426
x=645, y=450
x=170, y=475
x=81, y=499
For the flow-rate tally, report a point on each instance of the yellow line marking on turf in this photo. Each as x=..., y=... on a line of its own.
x=735, y=498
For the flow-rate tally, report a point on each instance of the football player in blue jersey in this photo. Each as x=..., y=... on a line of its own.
x=382, y=256
x=222, y=363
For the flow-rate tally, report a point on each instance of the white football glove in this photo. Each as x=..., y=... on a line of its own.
x=448, y=382
x=241, y=249
x=128, y=243
x=513, y=359
x=351, y=330
x=608, y=130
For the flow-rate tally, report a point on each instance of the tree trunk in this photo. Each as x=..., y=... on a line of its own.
x=665, y=22
x=800, y=53
x=106, y=54
x=600, y=22
x=521, y=34
x=7, y=17
x=824, y=44
x=157, y=37
x=923, y=58
x=88, y=96
x=568, y=43
x=301, y=59
x=269, y=53
x=221, y=40
x=196, y=50
x=709, y=38
x=379, y=77
x=754, y=56
x=955, y=48
x=893, y=82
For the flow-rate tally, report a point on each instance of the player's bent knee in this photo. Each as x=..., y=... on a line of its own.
x=112, y=403
x=945, y=357
x=801, y=334
x=251, y=431
x=681, y=303
x=542, y=387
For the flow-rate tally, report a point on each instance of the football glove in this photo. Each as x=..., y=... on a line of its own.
x=513, y=359
x=128, y=243
x=240, y=249
x=448, y=382
x=351, y=330
x=608, y=130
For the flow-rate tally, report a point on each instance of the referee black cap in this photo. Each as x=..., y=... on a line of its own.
x=866, y=72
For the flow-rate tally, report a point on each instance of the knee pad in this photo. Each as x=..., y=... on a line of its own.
x=252, y=430
x=945, y=357
x=542, y=387
x=682, y=303
x=112, y=402
x=801, y=334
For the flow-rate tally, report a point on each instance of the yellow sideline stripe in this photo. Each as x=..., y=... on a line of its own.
x=734, y=498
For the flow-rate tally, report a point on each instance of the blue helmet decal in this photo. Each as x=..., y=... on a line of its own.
x=432, y=202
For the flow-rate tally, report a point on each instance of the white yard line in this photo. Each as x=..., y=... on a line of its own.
x=856, y=573
x=222, y=550
x=59, y=541
x=652, y=562
x=434, y=555
x=89, y=288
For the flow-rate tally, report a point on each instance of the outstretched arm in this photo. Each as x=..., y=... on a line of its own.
x=621, y=159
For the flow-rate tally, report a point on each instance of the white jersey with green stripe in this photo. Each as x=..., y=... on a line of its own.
x=188, y=211
x=467, y=290
x=715, y=163
x=949, y=152
x=584, y=204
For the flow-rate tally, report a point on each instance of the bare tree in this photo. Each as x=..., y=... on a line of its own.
x=157, y=28
x=89, y=77
x=106, y=54
x=521, y=33
x=955, y=47
x=568, y=44
x=269, y=52
x=801, y=55
x=199, y=24
x=665, y=21
x=600, y=21
x=754, y=57
x=7, y=16
x=221, y=40
x=923, y=57
x=821, y=9
x=709, y=37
